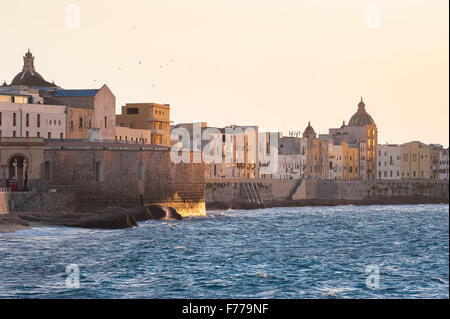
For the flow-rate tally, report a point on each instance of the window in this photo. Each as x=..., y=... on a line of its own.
x=133, y=110
x=27, y=120
x=49, y=135
x=0, y=118
x=405, y=157
x=14, y=119
x=414, y=157
x=98, y=171
x=47, y=170
x=38, y=121
x=81, y=122
x=14, y=133
x=71, y=124
x=38, y=134
x=27, y=134
x=61, y=135
x=106, y=122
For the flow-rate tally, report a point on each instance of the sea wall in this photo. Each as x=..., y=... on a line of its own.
x=250, y=193
x=114, y=174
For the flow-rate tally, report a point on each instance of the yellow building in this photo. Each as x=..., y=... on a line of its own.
x=361, y=129
x=415, y=160
x=147, y=116
x=350, y=161
x=317, y=166
x=20, y=161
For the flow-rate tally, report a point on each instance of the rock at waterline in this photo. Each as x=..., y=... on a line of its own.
x=157, y=212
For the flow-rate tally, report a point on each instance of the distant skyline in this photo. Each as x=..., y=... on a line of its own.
x=275, y=64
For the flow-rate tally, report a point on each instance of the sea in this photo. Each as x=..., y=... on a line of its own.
x=385, y=251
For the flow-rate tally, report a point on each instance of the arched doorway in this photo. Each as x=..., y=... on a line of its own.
x=18, y=172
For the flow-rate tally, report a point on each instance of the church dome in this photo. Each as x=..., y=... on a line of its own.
x=29, y=76
x=361, y=117
x=309, y=131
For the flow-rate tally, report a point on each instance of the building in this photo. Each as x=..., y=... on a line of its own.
x=443, y=164
x=23, y=119
x=317, y=162
x=389, y=161
x=84, y=110
x=350, y=161
x=362, y=131
x=335, y=156
x=415, y=160
x=20, y=161
x=135, y=135
x=291, y=159
x=435, y=152
x=147, y=116
x=238, y=146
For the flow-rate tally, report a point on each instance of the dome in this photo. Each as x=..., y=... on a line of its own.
x=361, y=117
x=29, y=76
x=309, y=131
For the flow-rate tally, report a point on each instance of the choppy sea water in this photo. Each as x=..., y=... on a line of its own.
x=295, y=252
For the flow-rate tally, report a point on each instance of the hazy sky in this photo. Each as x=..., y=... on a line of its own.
x=276, y=64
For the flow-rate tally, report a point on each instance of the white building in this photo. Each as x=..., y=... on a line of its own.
x=31, y=120
x=389, y=159
x=291, y=158
x=443, y=164
x=335, y=155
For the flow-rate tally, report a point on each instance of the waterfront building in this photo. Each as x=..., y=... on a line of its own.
x=147, y=116
x=435, y=151
x=362, y=131
x=317, y=162
x=389, y=161
x=350, y=161
x=23, y=119
x=443, y=164
x=335, y=156
x=415, y=160
x=84, y=109
x=21, y=159
x=291, y=159
x=244, y=149
x=135, y=135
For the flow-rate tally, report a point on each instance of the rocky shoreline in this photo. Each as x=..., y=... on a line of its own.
x=118, y=218
x=107, y=218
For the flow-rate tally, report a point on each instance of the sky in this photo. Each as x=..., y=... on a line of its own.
x=275, y=64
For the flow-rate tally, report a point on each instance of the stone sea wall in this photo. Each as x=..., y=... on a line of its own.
x=253, y=193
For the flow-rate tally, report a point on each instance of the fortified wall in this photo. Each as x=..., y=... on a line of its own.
x=249, y=193
x=87, y=176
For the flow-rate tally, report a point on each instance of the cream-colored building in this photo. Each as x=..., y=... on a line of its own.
x=361, y=130
x=443, y=164
x=147, y=116
x=415, y=160
x=22, y=119
x=389, y=161
x=335, y=156
x=133, y=135
x=291, y=158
